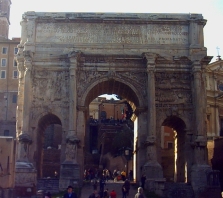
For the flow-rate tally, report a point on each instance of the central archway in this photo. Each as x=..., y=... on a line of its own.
x=113, y=86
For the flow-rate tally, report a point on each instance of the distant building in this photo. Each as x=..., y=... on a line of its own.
x=8, y=74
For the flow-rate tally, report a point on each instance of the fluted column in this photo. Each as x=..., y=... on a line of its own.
x=72, y=91
x=152, y=167
x=71, y=139
x=200, y=164
x=27, y=90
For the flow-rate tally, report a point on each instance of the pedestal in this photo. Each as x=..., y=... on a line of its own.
x=25, y=179
x=199, y=178
x=153, y=169
x=69, y=175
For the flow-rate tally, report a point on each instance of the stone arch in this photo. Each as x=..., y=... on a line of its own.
x=39, y=115
x=124, y=88
x=43, y=122
x=179, y=132
x=114, y=85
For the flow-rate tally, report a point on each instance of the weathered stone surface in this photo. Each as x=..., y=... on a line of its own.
x=155, y=61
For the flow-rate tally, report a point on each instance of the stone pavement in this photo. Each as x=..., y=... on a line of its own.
x=110, y=185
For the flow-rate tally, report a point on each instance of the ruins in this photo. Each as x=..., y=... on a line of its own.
x=154, y=61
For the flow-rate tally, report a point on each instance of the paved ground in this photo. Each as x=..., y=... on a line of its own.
x=110, y=185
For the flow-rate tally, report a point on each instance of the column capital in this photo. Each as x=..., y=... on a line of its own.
x=25, y=138
x=140, y=110
x=72, y=138
x=196, y=66
x=74, y=55
x=150, y=57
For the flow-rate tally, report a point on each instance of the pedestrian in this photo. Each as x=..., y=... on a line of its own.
x=106, y=193
x=93, y=195
x=123, y=191
x=143, y=180
x=139, y=194
x=127, y=186
x=113, y=194
x=95, y=184
x=47, y=195
x=70, y=193
x=102, y=184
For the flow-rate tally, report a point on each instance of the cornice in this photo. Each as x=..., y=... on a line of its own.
x=136, y=18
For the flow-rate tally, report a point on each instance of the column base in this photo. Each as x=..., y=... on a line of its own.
x=199, y=178
x=25, y=179
x=153, y=170
x=69, y=175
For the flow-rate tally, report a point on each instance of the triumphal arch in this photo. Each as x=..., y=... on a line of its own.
x=155, y=61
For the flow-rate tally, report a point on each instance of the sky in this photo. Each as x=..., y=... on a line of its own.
x=212, y=11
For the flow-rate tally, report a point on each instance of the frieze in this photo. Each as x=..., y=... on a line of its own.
x=115, y=33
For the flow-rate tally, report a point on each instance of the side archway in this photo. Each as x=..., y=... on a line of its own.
x=49, y=135
x=173, y=144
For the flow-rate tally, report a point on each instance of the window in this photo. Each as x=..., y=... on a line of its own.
x=15, y=74
x=15, y=50
x=4, y=50
x=3, y=62
x=6, y=132
x=15, y=63
x=3, y=74
x=14, y=98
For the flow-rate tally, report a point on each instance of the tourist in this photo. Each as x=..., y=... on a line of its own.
x=113, y=194
x=95, y=184
x=127, y=186
x=124, y=191
x=123, y=175
x=106, y=193
x=70, y=193
x=143, y=180
x=139, y=194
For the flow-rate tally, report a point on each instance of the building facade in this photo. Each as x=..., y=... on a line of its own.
x=154, y=61
x=8, y=74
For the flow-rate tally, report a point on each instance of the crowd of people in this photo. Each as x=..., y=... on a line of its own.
x=98, y=181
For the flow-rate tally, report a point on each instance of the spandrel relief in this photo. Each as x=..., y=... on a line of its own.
x=50, y=86
x=173, y=87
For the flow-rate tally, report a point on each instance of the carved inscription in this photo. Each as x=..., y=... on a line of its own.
x=111, y=33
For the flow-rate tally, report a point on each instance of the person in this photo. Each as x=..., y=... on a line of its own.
x=131, y=175
x=139, y=194
x=47, y=195
x=102, y=184
x=127, y=186
x=143, y=180
x=124, y=191
x=70, y=193
x=95, y=184
x=105, y=193
x=123, y=175
x=113, y=194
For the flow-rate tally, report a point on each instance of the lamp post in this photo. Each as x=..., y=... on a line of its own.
x=127, y=152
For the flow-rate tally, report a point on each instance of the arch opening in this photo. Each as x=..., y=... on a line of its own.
x=49, y=140
x=108, y=122
x=173, y=141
